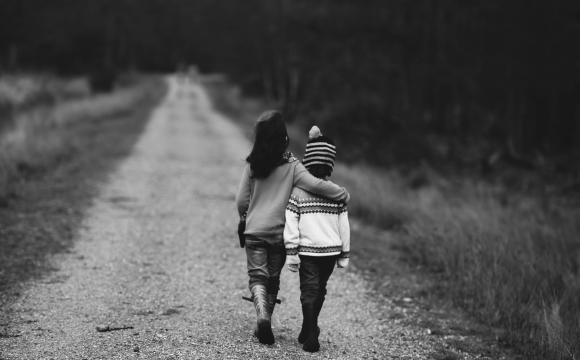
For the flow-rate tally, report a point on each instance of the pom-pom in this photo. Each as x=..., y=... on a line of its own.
x=314, y=132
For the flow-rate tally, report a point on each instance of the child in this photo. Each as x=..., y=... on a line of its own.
x=268, y=178
x=316, y=236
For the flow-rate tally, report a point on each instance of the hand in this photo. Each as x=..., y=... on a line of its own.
x=293, y=262
x=347, y=199
x=342, y=263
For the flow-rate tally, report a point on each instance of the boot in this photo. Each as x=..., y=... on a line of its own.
x=311, y=343
x=272, y=293
x=317, y=308
x=264, y=329
x=271, y=297
x=304, y=331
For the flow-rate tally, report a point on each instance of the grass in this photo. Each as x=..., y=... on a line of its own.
x=510, y=259
x=41, y=138
x=52, y=163
x=20, y=92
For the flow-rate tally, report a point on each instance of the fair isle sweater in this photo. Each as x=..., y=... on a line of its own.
x=316, y=226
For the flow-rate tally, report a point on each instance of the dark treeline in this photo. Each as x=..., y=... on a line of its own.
x=390, y=79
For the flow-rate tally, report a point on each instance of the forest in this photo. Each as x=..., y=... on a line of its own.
x=467, y=82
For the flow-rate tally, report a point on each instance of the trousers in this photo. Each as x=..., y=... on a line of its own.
x=314, y=274
x=266, y=258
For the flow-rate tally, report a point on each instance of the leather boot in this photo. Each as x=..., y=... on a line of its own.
x=311, y=343
x=272, y=293
x=304, y=331
x=271, y=297
x=317, y=308
x=264, y=329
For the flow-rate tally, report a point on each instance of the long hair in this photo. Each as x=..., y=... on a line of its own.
x=270, y=143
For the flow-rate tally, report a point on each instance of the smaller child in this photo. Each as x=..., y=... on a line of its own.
x=316, y=236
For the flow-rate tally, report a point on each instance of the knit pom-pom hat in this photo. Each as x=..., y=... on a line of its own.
x=319, y=149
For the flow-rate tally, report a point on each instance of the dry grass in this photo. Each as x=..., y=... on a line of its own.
x=41, y=137
x=19, y=91
x=513, y=261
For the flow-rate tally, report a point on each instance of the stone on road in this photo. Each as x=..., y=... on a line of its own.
x=156, y=265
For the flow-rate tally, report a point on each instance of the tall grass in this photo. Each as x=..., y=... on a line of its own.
x=512, y=260
x=18, y=91
x=41, y=137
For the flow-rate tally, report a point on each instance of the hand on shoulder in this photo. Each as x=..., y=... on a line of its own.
x=289, y=157
x=347, y=196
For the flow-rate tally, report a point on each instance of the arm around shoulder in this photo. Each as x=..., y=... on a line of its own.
x=306, y=181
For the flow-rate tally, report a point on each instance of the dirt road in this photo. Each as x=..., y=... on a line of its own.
x=157, y=256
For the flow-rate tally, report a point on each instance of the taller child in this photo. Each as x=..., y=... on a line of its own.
x=267, y=181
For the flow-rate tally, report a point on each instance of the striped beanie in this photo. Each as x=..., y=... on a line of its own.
x=319, y=149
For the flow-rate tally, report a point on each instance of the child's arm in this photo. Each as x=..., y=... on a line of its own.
x=244, y=191
x=292, y=234
x=344, y=230
x=327, y=189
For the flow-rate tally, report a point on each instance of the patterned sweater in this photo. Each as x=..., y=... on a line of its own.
x=316, y=226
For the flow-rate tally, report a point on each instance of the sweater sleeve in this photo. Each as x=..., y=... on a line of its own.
x=344, y=230
x=244, y=191
x=327, y=189
x=291, y=232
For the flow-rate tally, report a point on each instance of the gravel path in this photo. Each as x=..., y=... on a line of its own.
x=157, y=253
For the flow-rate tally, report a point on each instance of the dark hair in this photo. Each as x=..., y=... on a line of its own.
x=270, y=143
x=321, y=171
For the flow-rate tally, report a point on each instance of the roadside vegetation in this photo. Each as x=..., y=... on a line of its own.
x=509, y=257
x=18, y=91
x=24, y=91
x=53, y=156
x=38, y=138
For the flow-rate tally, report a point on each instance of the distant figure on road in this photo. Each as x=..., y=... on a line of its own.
x=268, y=178
x=316, y=236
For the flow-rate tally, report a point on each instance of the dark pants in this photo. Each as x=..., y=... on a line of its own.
x=314, y=274
x=266, y=258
